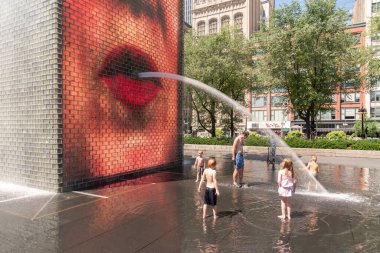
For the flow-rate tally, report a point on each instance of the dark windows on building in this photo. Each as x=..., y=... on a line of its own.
x=278, y=115
x=201, y=28
x=327, y=114
x=278, y=101
x=238, y=21
x=375, y=96
x=213, y=26
x=259, y=101
x=349, y=113
x=350, y=97
x=225, y=21
x=259, y=116
x=375, y=112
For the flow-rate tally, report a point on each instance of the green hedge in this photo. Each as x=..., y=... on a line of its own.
x=256, y=140
x=208, y=141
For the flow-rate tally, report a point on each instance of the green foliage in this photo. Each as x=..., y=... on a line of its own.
x=219, y=133
x=369, y=124
x=255, y=139
x=337, y=135
x=295, y=134
x=366, y=145
x=208, y=141
x=222, y=61
x=298, y=142
x=258, y=140
x=308, y=52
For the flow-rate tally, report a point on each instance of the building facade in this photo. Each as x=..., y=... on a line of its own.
x=272, y=110
x=209, y=16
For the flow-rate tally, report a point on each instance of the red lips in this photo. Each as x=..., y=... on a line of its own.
x=119, y=73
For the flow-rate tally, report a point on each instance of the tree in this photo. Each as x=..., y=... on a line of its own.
x=373, y=67
x=223, y=61
x=370, y=127
x=309, y=53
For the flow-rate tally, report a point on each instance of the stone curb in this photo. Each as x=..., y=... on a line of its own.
x=189, y=148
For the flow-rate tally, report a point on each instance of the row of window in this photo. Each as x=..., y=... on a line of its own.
x=282, y=115
x=350, y=97
x=213, y=24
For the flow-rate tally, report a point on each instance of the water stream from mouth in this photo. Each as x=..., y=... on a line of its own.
x=304, y=178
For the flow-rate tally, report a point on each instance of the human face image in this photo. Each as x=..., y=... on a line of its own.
x=114, y=122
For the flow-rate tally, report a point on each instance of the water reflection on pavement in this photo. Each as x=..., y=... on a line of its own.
x=162, y=212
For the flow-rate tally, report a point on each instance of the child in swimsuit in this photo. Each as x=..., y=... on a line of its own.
x=199, y=165
x=286, y=187
x=313, y=166
x=211, y=191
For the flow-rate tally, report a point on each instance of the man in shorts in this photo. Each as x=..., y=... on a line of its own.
x=238, y=158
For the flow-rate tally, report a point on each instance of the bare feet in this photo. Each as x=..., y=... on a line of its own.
x=236, y=184
x=282, y=217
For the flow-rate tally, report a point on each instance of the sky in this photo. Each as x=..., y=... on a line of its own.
x=344, y=4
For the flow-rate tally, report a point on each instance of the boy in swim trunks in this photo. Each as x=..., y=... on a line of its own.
x=212, y=191
x=238, y=158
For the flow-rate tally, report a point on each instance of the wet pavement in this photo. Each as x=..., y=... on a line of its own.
x=162, y=212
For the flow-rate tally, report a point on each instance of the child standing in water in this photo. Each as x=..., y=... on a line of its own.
x=286, y=187
x=313, y=166
x=199, y=165
x=212, y=190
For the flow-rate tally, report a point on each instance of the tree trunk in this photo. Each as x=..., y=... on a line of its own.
x=232, y=127
x=213, y=119
x=313, y=127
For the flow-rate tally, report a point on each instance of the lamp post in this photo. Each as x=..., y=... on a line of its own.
x=362, y=111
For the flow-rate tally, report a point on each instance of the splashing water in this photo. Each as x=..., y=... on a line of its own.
x=304, y=177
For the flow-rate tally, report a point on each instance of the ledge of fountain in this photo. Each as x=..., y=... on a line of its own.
x=192, y=148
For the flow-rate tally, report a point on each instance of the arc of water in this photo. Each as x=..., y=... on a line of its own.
x=237, y=107
x=199, y=85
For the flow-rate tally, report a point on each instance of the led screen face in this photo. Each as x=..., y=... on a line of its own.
x=114, y=122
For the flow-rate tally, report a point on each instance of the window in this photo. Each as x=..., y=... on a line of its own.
x=278, y=101
x=213, y=26
x=352, y=97
x=375, y=96
x=225, y=21
x=350, y=113
x=350, y=84
x=375, y=112
x=238, y=21
x=201, y=28
x=278, y=115
x=327, y=115
x=259, y=116
x=375, y=7
x=259, y=101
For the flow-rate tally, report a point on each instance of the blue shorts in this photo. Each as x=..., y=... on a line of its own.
x=239, y=161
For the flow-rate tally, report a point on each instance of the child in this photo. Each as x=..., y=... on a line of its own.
x=212, y=190
x=199, y=165
x=286, y=187
x=313, y=166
